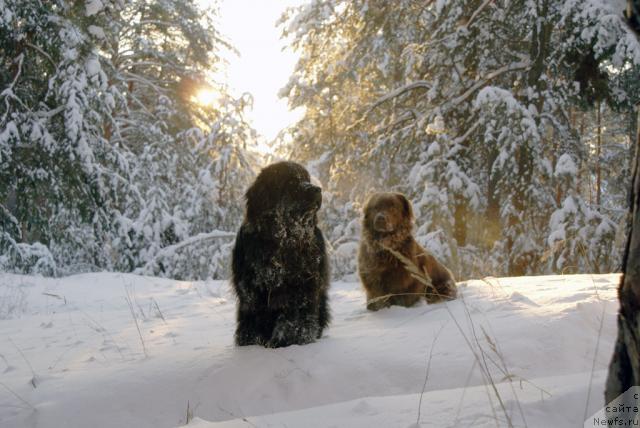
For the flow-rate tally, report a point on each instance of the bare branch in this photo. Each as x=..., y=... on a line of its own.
x=43, y=53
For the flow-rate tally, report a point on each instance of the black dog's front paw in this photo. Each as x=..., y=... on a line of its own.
x=245, y=337
x=247, y=331
x=286, y=333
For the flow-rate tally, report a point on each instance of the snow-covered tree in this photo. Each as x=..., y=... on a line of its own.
x=107, y=161
x=500, y=81
x=56, y=162
x=580, y=237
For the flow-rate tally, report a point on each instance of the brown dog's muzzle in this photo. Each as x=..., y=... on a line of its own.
x=381, y=223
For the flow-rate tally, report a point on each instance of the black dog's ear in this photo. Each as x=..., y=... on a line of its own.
x=257, y=199
x=408, y=210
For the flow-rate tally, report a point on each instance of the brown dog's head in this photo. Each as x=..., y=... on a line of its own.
x=388, y=217
x=282, y=188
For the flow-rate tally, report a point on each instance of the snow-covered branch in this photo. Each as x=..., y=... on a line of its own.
x=419, y=84
x=484, y=81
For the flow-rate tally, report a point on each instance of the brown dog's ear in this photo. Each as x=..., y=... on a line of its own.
x=408, y=210
x=367, y=204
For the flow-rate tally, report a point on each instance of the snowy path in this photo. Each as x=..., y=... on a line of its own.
x=76, y=340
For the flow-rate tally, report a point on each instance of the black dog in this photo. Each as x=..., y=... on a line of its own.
x=280, y=266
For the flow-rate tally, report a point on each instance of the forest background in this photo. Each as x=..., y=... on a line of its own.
x=509, y=124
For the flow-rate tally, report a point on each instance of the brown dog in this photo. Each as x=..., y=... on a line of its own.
x=387, y=223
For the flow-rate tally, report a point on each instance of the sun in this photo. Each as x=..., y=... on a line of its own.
x=263, y=67
x=206, y=96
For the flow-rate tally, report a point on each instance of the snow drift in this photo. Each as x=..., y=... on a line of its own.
x=116, y=350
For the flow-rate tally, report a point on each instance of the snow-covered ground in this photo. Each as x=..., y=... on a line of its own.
x=117, y=350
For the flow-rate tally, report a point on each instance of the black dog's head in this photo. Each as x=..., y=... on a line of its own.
x=284, y=188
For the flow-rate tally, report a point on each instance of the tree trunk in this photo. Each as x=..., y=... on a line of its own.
x=460, y=221
x=598, y=154
x=624, y=369
x=492, y=230
x=584, y=165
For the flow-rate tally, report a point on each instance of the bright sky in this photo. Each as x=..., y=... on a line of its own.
x=262, y=68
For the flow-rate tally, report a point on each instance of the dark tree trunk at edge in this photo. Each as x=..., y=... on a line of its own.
x=624, y=369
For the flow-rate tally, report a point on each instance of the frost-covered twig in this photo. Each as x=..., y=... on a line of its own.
x=155, y=303
x=508, y=376
x=484, y=365
x=64, y=299
x=99, y=328
x=17, y=396
x=424, y=278
x=595, y=353
x=233, y=415
x=464, y=392
x=389, y=295
x=426, y=376
x=135, y=320
x=412, y=268
x=24, y=357
x=189, y=413
x=483, y=368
